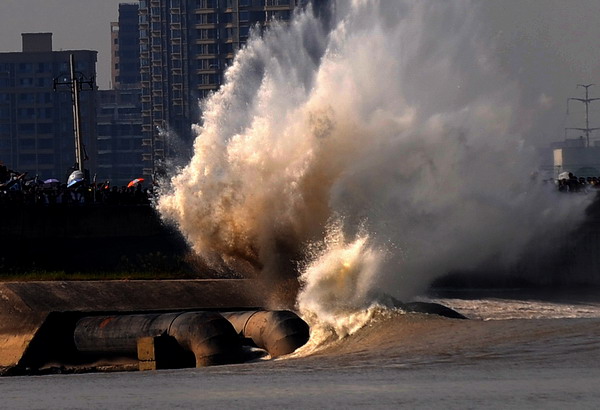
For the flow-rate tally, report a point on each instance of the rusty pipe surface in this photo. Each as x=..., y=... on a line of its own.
x=279, y=332
x=209, y=336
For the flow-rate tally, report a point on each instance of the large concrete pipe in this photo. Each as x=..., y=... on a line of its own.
x=210, y=337
x=279, y=332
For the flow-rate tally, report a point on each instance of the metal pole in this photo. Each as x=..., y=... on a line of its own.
x=587, y=122
x=587, y=100
x=76, y=116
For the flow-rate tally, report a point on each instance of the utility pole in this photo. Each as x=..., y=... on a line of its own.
x=587, y=100
x=76, y=83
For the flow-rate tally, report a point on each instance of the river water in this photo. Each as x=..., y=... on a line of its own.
x=515, y=352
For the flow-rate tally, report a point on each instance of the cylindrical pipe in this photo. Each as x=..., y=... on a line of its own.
x=119, y=333
x=209, y=336
x=279, y=332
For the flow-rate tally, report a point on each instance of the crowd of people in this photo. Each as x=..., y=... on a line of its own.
x=17, y=188
x=572, y=183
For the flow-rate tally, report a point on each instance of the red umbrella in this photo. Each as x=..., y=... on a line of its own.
x=135, y=182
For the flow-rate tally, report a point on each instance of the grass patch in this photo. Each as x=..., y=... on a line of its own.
x=151, y=266
x=69, y=276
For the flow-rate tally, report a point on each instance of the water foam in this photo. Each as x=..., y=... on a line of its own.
x=388, y=141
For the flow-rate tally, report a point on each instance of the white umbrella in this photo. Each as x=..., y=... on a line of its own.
x=563, y=175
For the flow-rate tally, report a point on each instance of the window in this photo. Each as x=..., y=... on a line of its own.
x=44, y=82
x=45, y=159
x=124, y=143
x=44, y=113
x=207, y=49
x=27, y=98
x=43, y=98
x=206, y=18
x=25, y=113
x=27, y=143
x=26, y=160
x=208, y=64
x=26, y=82
x=45, y=143
x=25, y=68
x=44, y=68
x=27, y=128
x=208, y=79
x=205, y=4
x=206, y=34
x=45, y=129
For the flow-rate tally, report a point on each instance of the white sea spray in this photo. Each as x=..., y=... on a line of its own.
x=368, y=158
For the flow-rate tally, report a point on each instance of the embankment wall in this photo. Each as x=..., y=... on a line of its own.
x=83, y=237
x=26, y=306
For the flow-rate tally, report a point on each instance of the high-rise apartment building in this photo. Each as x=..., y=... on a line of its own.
x=119, y=135
x=125, y=50
x=185, y=45
x=119, y=109
x=36, y=123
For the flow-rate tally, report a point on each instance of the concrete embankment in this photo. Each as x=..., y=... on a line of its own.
x=37, y=319
x=84, y=238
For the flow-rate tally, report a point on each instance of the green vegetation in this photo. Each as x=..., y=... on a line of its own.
x=152, y=266
x=61, y=275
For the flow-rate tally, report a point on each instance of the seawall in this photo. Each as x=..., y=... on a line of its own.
x=34, y=316
x=83, y=237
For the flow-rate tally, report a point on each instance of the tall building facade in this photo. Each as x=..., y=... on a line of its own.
x=125, y=37
x=119, y=113
x=119, y=135
x=36, y=122
x=185, y=45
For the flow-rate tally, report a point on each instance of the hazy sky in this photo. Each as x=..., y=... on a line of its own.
x=76, y=24
x=547, y=45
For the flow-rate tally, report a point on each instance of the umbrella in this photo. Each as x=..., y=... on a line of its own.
x=49, y=183
x=563, y=175
x=135, y=182
x=75, y=178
